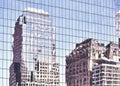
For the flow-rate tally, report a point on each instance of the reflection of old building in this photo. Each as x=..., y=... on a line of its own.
x=34, y=37
x=80, y=62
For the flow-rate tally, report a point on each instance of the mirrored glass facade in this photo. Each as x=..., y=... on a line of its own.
x=37, y=37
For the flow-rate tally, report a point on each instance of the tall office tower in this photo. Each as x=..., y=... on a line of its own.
x=34, y=38
x=80, y=62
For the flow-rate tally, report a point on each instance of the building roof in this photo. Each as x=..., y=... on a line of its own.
x=36, y=11
x=85, y=41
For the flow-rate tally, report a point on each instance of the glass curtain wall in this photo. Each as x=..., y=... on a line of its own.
x=37, y=36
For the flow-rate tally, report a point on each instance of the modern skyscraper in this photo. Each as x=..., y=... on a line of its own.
x=34, y=38
x=81, y=61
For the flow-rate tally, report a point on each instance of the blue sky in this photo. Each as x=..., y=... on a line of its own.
x=75, y=21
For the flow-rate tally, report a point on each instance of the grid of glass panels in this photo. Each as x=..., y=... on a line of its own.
x=68, y=22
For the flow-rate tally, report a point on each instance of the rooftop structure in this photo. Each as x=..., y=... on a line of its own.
x=36, y=11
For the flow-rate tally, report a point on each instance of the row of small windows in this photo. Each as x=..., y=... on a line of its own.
x=106, y=69
x=79, y=68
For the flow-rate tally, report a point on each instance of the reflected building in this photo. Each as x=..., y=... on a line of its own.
x=34, y=38
x=106, y=73
x=43, y=75
x=84, y=62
